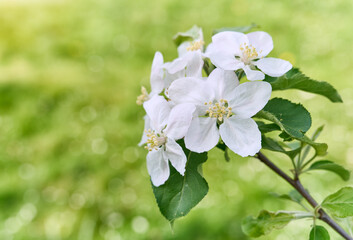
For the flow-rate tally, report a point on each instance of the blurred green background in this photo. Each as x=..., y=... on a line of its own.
x=70, y=72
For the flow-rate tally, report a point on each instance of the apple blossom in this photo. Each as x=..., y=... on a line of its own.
x=197, y=43
x=188, y=65
x=156, y=80
x=163, y=74
x=202, y=112
x=222, y=101
x=166, y=125
x=235, y=50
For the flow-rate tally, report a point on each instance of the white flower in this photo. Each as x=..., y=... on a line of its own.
x=166, y=125
x=221, y=101
x=147, y=126
x=156, y=80
x=188, y=65
x=196, y=44
x=163, y=74
x=235, y=50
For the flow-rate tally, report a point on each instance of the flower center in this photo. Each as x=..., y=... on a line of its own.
x=195, y=45
x=154, y=140
x=143, y=97
x=219, y=110
x=249, y=53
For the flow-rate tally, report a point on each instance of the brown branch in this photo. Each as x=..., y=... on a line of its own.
x=299, y=187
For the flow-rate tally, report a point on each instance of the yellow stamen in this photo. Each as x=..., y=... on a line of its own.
x=143, y=97
x=249, y=53
x=196, y=45
x=154, y=141
x=219, y=110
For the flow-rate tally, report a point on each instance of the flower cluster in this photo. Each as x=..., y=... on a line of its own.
x=206, y=110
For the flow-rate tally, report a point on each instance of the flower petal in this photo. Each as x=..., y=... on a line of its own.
x=157, y=109
x=262, y=42
x=202, y=135
x=158, y=167
x=230, y=41
x=242, y=136
x=223, y=82
x=194, y=64
x=189, y=65
x=222, y=57
x=176, y=155
x=175, y=66
x=190, y=90
x=182, y=49
x=144, y=135
x=249, y=98
x=273, y=67
x=179, y=120
x=169, y=78
x=156, y=79
x=253, y=75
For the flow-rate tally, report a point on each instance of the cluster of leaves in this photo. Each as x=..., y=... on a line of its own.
x=291, y=121
x=339, y=205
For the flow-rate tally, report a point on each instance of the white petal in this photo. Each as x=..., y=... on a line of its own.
x=273, y=67
x=253, y=75
x=169, y=78
x=249, y=98
x=194, y=64
x=175, y=66
x=176, y=155
x=182, y=49
x=158, y=167
x=223, y=82
x=179, y=120
x=202, y=135
x=222, y=57
x=147, y=126
x=157, y=109
x=190, y=90
x=230, y=41
x=262, y=42
x=242, y=136
x=157, y=83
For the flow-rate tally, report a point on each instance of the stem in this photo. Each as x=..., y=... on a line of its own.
x=309, y=161
x=299, y=215
x=299, y=187
x=208, y=67
x=240, y=74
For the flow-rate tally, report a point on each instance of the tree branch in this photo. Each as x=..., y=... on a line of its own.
x=299, y=187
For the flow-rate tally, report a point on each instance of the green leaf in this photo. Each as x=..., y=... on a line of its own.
x=266, y=128
x=319, y=233
x=180, y=193
x=286, y=137
x=340, y=204
x=273, y=145
x=331, y=166
x=194, y=33
x=317, y=132
x=294, y=79
x=265, y=223
x=293, y=196
x=320, y=148
x=313, y=138
x=242, y=29
x=292, y=118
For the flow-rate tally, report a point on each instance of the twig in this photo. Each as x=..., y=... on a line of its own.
x=299, y=187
